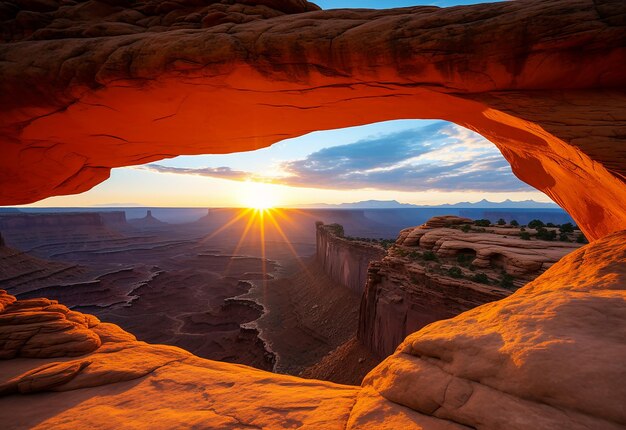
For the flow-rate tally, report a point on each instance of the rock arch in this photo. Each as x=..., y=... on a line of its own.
x=541, y=79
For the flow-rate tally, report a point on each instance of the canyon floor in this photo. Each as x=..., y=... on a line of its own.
x=211, y=287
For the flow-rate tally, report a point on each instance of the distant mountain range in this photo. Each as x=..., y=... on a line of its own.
x=393, y=204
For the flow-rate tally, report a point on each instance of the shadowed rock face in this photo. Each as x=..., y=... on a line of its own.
x=87, y=86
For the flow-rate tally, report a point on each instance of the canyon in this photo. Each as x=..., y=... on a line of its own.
x=89, y=86
x=524, y=351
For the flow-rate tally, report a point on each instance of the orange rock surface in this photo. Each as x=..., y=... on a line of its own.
x=88, y=86
x=549, y=356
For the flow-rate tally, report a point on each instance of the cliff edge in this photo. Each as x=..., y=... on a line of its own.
x=445, y=267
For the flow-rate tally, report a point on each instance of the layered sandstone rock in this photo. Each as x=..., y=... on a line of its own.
x=543, y=358
x=87, y=86
x=436, y=272
x=345, y=261
x=496, y=248
x=42, y=328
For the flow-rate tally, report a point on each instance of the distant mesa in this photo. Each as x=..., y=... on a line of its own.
x=147, y=222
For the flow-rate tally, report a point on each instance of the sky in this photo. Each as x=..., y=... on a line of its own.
x=412, y=161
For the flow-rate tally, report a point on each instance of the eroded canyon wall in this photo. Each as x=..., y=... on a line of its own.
x=399, y=300
x=345, y=261
x=438, y=270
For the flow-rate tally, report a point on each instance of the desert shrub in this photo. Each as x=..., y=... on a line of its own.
x=550, y=225
x=568, y=227
x=501, y=221
x=336, y=229
x=429, y=256
x=581, y=238
x=482, y=222
x=402, y=252
x=563, y=237
x=481, y=278
x=507, y=281
x=455, y=272
x=536, y=223
x=543, y=234
x=524, y=235
x=466, y=228
x=514, y=223
x=464, y=259
x=387, y=243
x=414, y=255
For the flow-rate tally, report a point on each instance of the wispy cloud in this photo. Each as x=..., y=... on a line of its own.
x=214, y=172
x=439, y=157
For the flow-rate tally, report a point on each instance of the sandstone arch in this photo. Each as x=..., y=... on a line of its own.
x=543, y=80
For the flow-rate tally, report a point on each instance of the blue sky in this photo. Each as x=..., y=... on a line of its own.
x=413, y=161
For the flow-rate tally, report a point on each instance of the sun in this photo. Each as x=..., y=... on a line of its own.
x=258, y=195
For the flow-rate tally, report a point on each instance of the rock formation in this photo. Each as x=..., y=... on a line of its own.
x=147, y=222
x=42, y=328
x=438, y=270
x=28, y=230
x=345, y=261
x=541, y=358
x=90, y=85
x=497, y=248
x=548, y=356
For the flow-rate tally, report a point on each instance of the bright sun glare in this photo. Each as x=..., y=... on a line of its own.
x=258, y=195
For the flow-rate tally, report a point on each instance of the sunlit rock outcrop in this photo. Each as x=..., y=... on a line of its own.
x=42, y=328
x=87, y=86
x=549, y=356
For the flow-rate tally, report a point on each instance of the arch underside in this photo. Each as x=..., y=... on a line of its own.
x=549, y=97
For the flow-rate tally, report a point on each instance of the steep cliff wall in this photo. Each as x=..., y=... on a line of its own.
x=400, y=298
x=345, y=261
x=436, y=272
